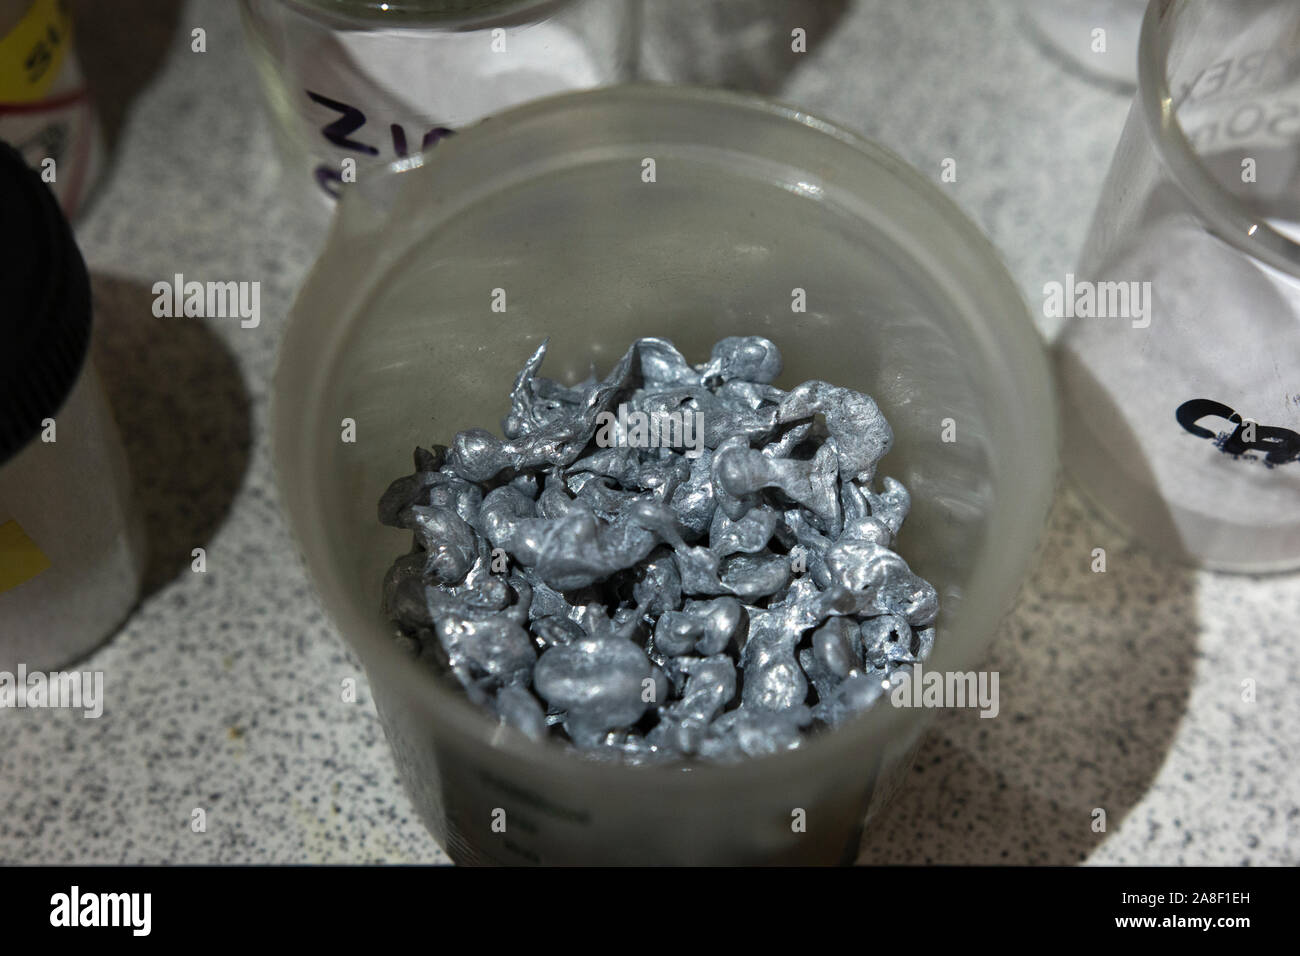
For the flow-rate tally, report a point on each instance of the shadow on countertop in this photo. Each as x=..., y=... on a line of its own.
x=1095, y=671
x=184, y=415
x=120, y=46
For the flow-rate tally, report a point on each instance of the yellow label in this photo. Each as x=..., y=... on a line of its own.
x=32, y=53
x=20, y=558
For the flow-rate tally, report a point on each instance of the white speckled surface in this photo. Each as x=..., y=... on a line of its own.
x=1119, y=690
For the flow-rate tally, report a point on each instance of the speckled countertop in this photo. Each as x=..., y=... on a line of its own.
x=1119, y=690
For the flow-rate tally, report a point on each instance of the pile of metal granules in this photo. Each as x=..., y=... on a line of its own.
x=671, y=562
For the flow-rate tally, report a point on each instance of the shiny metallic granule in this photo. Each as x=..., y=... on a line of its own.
x=592, y=575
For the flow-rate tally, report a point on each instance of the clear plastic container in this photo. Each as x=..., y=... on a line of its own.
x=905, y=300
x=71, y=542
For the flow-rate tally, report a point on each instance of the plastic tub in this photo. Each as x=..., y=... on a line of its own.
x=905, y=299
x=72, y=546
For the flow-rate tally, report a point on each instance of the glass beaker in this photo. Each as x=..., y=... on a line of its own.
x=1180, y=369
x=356, y=84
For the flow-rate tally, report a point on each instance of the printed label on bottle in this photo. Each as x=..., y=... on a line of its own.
x=45, y=111
x=21, y=559
x=33, y=52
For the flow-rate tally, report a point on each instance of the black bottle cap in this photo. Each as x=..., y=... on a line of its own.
x=44, y=304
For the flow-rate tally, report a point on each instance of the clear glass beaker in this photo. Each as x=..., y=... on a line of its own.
x=1180, y=367
x=359, y=84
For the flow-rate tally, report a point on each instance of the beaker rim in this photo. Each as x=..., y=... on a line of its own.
x=1219, y=208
